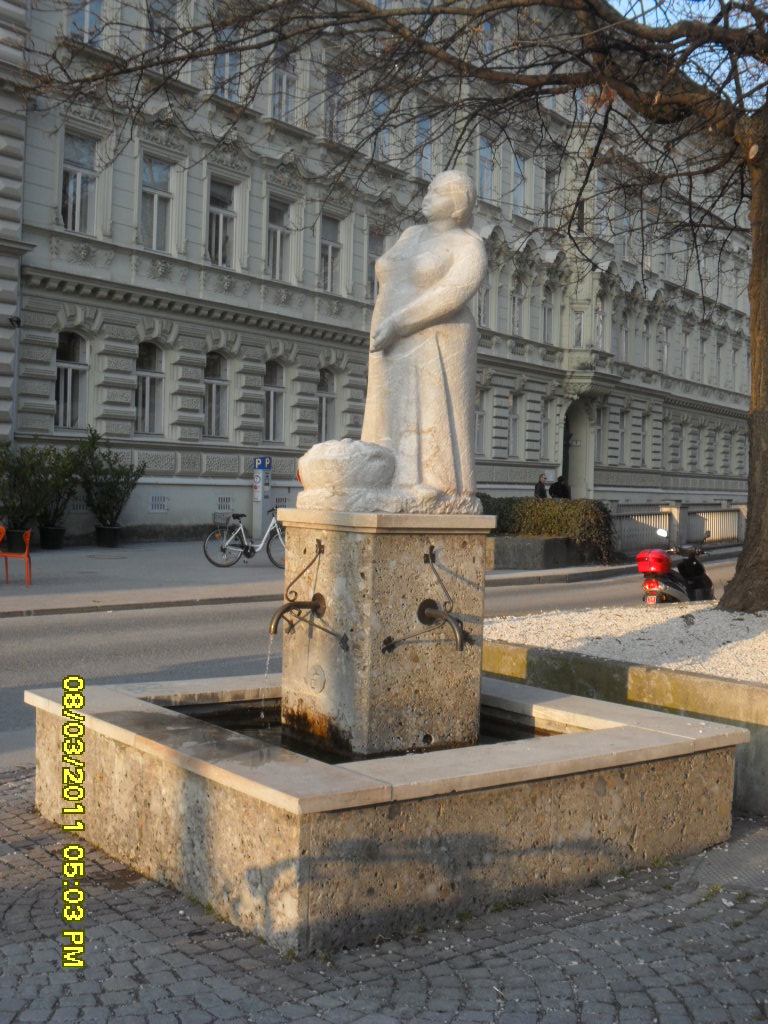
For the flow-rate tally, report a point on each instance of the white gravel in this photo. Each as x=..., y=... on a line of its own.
x=696, y=637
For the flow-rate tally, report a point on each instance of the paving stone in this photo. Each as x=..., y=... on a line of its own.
x=652, y=946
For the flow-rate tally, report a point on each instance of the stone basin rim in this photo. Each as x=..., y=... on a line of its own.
x=615, y=736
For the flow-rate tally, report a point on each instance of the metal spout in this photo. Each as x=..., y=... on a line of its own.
x=316, y=606
x=430, y=612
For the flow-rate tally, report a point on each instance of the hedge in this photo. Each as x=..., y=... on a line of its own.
x=583, y=521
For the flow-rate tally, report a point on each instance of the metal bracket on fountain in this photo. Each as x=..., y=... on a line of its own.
x=295, y=611
x=430, y=614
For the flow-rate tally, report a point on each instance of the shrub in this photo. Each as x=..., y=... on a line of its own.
x=18, y=487
x=583, y=521
x=55, y=482
x=106, y=480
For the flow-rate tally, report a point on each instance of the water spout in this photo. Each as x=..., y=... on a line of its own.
x=316, y=606
x=430, y=612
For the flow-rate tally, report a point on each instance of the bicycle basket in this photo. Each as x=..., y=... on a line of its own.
x=220, y=518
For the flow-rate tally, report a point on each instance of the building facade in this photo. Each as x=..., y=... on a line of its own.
x=197, y=295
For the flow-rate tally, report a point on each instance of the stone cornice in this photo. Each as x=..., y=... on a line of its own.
x=211, y=311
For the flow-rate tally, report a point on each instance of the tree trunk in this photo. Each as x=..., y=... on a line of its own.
x=748, y=590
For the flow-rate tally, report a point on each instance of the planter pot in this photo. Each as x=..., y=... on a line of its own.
x=14, y=541
x=52, y=537
x=108, y=536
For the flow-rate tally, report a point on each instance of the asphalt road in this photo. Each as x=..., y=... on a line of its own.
x=153, y=644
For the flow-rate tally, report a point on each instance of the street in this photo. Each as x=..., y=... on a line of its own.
x=158, y=643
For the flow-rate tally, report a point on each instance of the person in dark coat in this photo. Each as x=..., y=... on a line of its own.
x=560, y=488
x=540, y=490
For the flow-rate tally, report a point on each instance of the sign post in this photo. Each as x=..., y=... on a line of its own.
x=262, y=483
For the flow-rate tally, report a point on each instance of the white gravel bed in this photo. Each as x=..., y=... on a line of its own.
x=696, y=637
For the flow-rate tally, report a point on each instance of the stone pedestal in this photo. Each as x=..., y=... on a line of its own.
x=385, y=682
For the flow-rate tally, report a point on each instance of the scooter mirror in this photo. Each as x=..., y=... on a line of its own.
x=661, y=533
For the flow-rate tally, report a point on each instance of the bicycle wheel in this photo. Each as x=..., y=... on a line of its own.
x=218, y=551
x=276, y=549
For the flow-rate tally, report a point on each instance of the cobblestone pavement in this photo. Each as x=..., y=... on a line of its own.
x=684, y=942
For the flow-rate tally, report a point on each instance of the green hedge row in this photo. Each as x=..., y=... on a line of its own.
x=583, y=521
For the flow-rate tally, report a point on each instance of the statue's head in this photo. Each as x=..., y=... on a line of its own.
x=453, y=195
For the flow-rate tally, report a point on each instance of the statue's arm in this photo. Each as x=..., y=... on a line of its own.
x=438, y=301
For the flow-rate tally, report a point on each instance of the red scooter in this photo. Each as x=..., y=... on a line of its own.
x=686, y=580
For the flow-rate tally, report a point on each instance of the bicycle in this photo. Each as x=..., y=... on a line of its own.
x=228, y=542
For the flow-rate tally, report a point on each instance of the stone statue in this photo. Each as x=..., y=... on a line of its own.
x=417, y=448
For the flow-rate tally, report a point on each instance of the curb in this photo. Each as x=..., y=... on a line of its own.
x=122, y=601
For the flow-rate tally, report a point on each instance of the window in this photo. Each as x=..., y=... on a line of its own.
x=274, y=401
x=645, y=438
x=330, y=255
x=734, y=368
x=513, y=438
x=155, y=203
x=216, y=396
x=161, y=23
x=518, y=185
x=221, y=223
x=599, y=434
x=665, y=349
x=78, y=191
x=381, y=135
x=647, y=241
x=85, y=24
x=580, y=218
x=625, y=229
x=480, y=422
x=278, y=240
x=547, y=314
x=71, y=381
x=645, y=341
x=423, y=167
x=284, y=87
x=703, y=361
x=226, y=68
x=685, y=354
x=550, y=194
x=578, y=329
x=718, y=365
x=149, y=389
x=544, y=435
x=602, y=209
x=375, y=249
x=624, y=339
x=326, y=390
x=599, y=323
x=516, y=299
x=622, y=438
x=484, y=169
x=484, y=303
x=335, y=107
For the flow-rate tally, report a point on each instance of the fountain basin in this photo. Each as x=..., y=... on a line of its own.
x=314, y=856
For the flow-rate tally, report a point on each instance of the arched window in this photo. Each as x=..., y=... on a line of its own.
x=71, y=381
x=149, y=389
x=326, y=390
x=547, y=316
x=216, y=399
x=274, y=401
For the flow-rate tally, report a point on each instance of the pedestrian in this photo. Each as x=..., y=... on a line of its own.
x=540, y=490
x=560, y=488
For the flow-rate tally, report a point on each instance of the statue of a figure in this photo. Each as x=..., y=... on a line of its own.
x=417, y=448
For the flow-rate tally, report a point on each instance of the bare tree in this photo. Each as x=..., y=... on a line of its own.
x=667, y=100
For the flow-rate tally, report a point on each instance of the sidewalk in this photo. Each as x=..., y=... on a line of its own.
x=84, y=578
